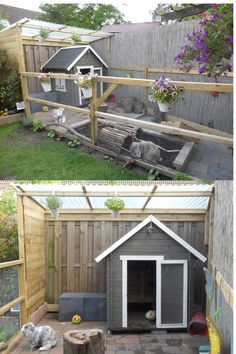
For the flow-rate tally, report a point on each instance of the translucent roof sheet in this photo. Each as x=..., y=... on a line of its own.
x=72, y=194
x=31, y=28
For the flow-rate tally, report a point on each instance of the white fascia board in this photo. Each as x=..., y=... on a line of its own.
x=123, y=239
x=163, y=227
x=95, y=53
x=178, y=239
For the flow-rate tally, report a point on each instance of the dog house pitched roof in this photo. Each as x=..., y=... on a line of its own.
x=66, y=58
x=163, y=227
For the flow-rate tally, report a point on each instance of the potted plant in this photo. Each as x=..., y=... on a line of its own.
x=164, y=93
x=54, y=204
x=75, y=39
x=43, y=34
x=45, y=81
x=115, y=205
x=85, y=82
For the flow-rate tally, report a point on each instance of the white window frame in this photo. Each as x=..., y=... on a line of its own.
x=159, y=261
x=101, y=83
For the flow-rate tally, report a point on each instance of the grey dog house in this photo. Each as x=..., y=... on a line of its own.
x=151, y=268
x=71, y=60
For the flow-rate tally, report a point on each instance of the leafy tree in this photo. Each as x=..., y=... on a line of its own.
x=3, y=19
x=90, y=16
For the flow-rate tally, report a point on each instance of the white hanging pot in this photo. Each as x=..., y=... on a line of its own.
x=87, y=92
x=55, y=213
x=46, y=86
x=164, y=107
x=115, y=213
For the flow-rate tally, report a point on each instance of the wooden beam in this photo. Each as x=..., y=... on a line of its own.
x=87, y=198
x=101, y=99
x=75, y=109
x=167, y=129
x=11, y=263
x=199, y=127
x=226, y=289
x=131, y=211
x=8, y=306
x=13, y=342
x=128, y=217
x=93, y=117
x=149, y=198
x=191, y=194
x=193, y=86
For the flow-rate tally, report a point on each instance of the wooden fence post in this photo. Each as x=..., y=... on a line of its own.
x=146, y=91
x=93, y=118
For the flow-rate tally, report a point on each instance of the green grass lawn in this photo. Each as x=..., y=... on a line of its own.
x=27, y=155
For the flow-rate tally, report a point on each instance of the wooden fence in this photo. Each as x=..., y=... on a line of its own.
x=73, y=245
x=144, y=54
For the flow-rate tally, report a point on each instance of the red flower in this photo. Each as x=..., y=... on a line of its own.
x=215, y=6
x=204, y=14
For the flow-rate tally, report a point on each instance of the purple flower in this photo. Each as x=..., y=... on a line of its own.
x=229, y=40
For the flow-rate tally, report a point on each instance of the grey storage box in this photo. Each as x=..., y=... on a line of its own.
x=90, y=306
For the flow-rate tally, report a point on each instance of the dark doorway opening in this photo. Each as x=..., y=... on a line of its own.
x=141, y=293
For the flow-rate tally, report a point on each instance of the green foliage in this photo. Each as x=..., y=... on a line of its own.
x=44, y=33
x=3, y=336
x=91, y=16
x=27, y=121
x=76, y=38
x=28, y=156
x=53, y=202
x=38, y=125
x=153, y=174
x=115, y=204
x=73, y=143
x=51, y=134
x=8, y=227
x=182, y=176
x=10, y=86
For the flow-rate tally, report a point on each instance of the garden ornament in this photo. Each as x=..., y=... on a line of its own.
x=147, y=150
x=58, y=115
x=150, y=315
x=42, y=337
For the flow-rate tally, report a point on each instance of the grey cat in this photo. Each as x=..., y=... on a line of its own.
x=42, y=337
x=147, y=150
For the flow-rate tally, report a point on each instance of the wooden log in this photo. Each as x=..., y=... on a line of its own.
x=88, y=341
x=114, y=138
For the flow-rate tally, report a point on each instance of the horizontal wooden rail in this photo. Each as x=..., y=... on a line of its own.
x=167, y=129
x=51, y=103
x=8, y=306
x=193, y=86
x=11, y=263
x=134, y=211
x=121, y=194
x=164, y=71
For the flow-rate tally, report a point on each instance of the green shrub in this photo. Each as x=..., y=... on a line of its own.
x=115, y=204
x=38, y=124
x=53, y=202
x=73, y=143
x=182, y=176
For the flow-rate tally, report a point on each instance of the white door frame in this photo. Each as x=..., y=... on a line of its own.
x=101, y=83
x=159, y=261
x=78, y=70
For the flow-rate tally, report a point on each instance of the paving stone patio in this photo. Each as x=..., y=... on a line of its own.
x=144, y=343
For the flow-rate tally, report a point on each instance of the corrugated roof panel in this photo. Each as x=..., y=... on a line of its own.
x=178, y=202
x=130, y=202
x=67, y=202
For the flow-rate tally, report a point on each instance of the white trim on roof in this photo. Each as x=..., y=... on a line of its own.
x=159, y=224
x=86, y=48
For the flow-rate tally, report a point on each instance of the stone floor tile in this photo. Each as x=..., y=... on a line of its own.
x=129, y=339
x=171, y=350
x=174, y=342
x=110, y=352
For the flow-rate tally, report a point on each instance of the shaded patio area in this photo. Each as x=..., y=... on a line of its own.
x=159, y=342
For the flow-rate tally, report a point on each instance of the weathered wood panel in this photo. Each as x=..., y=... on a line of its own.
x=74, y=267
x=35, y=258
x=157, y=48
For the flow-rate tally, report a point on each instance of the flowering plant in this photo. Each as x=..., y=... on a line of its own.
x=44, y=78
x=165, y=92
x=85, y=81
x=211, y=47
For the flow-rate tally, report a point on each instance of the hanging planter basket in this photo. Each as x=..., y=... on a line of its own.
x=164, y=107
x=54, y=204
x=115, y=205
x=46, y=86
x=87, y=92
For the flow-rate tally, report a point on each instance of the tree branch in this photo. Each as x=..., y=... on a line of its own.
x=190, y=11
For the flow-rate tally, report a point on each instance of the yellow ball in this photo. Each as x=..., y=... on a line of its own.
x=45, y=108
x=76, y=319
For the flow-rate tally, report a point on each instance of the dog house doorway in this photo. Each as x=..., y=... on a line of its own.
x=141, y=295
